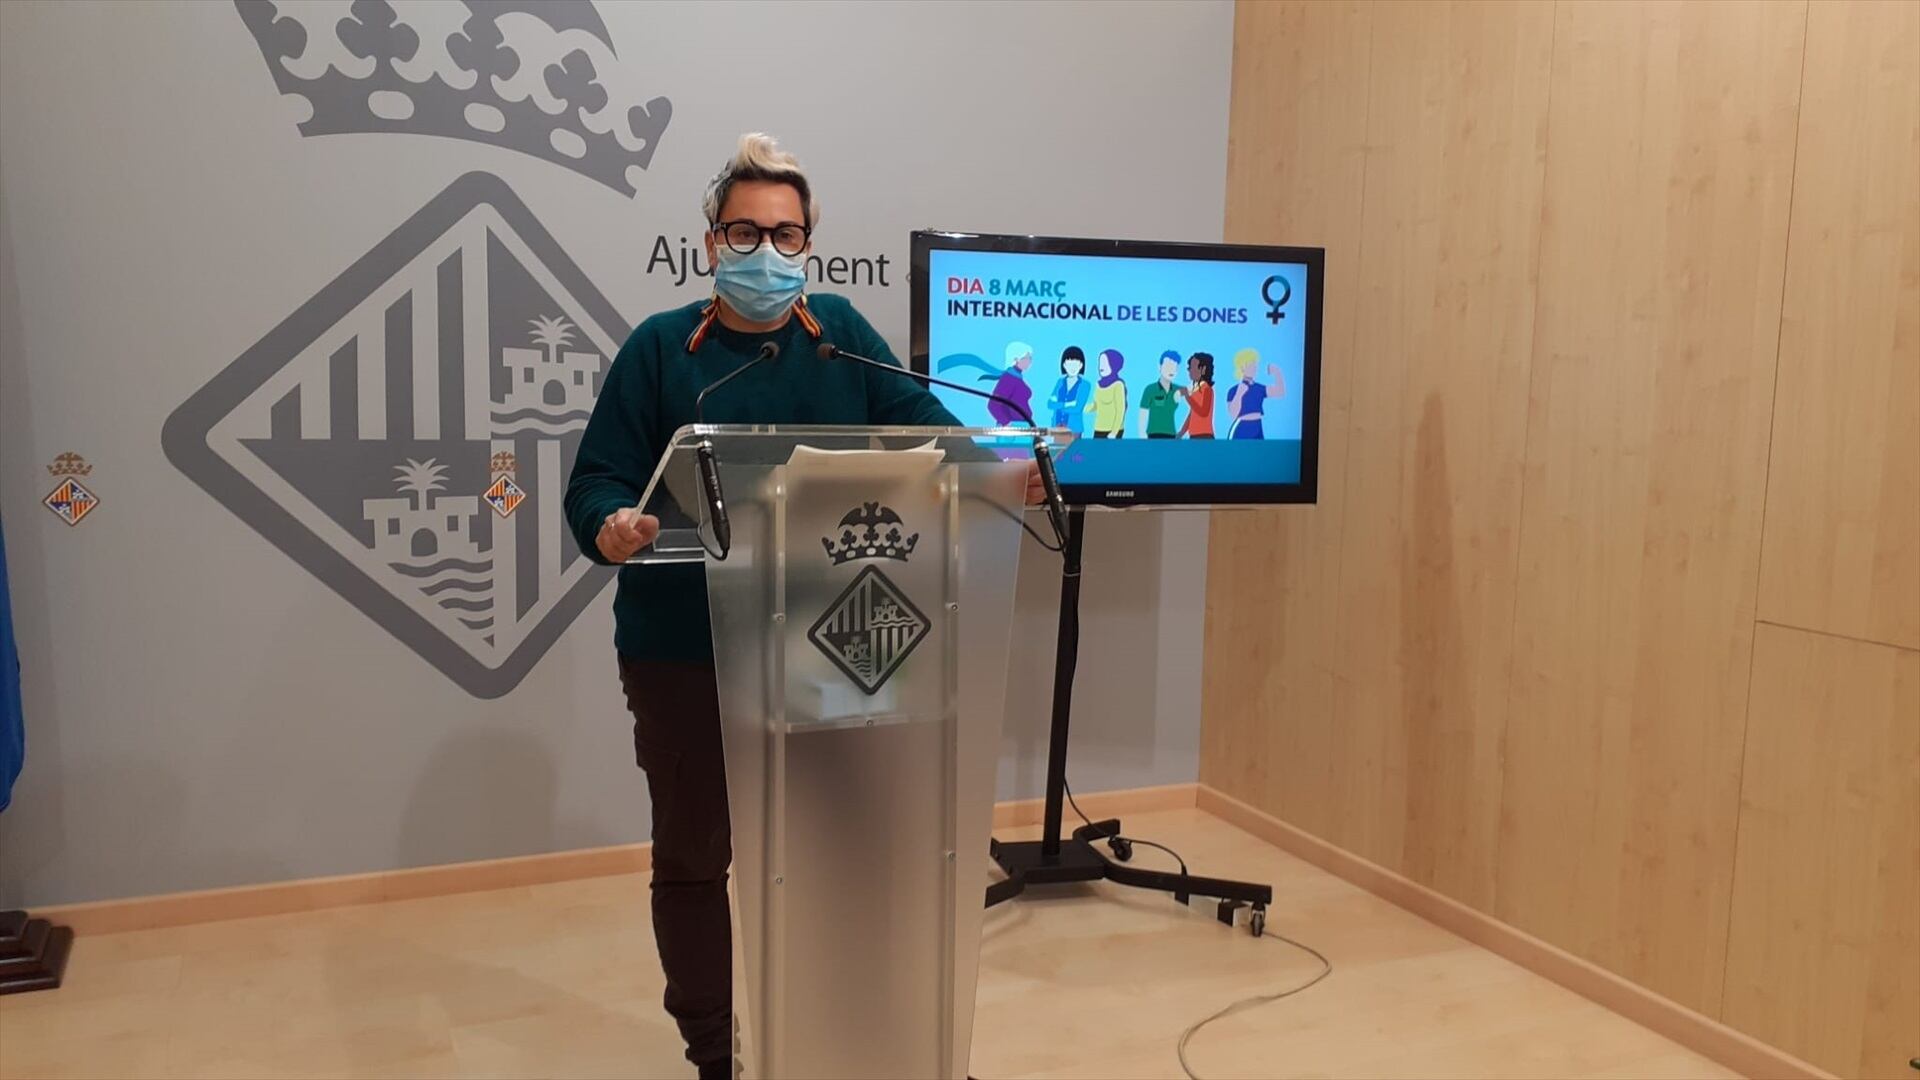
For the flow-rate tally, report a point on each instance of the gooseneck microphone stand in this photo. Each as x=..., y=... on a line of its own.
x=1054, y=859
x=703, y=455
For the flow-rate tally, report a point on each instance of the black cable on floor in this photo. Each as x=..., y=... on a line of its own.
x=1137, y=842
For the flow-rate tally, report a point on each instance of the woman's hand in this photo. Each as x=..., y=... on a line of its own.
x=625, y=532
x=1036, y=491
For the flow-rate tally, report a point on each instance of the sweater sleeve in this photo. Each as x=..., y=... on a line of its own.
x=893, y=399
x=617, y=454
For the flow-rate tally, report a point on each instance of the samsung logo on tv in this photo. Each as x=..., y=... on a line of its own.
x=1119, y=494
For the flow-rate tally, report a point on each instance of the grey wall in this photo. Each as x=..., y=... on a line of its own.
x=202, y=708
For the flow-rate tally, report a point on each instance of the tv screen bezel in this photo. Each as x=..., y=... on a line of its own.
x=1305, y=490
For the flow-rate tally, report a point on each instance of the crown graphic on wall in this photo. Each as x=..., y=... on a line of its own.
x=503, y=462
x=70, y=464
x=870, y=532
x=536, y=76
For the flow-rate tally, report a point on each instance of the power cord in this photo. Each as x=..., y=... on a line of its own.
x=1326, y=969
x=1019, y=514
x=1117, y=836
x=1326, y=965
x=1037, y=538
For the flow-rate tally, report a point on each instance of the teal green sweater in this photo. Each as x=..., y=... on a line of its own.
x=660, y=612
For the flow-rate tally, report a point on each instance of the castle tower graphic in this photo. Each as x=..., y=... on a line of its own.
x=551, y=376
x=423, y=525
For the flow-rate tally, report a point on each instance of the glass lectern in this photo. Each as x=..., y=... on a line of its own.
x=861, y=585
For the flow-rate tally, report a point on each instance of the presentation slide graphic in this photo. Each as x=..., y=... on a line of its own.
x=1169, y=371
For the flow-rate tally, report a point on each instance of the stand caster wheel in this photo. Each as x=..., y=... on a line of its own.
x=1121, y=847
x=1257, y=922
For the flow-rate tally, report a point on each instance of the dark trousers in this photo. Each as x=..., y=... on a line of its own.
x=676, y=737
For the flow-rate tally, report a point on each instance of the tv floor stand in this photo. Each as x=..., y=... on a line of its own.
x=1054, y=860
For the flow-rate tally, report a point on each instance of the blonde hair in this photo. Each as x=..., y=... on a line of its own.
x=759, y=157
x=1245, y=362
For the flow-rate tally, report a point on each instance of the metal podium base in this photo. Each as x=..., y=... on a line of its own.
x=1028, y=862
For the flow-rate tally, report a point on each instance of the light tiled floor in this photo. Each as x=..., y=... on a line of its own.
x=561, y=980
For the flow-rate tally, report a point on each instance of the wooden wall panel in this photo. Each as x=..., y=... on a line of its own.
x=1842, y=550
x=1456, y=153
x=1555, y=323
x=1671, y=142
x=1294, y=160
x=1824, y=955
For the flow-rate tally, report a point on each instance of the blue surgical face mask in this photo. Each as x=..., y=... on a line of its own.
x=762, y=284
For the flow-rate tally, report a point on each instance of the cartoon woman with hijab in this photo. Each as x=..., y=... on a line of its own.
x=1071, y=393
x=1246, y=398
x=1109, y=406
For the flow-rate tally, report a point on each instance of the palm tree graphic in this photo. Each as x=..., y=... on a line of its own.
x=551, y=334
x=419, y=478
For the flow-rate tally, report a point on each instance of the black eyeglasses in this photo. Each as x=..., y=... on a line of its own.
x=744, y=236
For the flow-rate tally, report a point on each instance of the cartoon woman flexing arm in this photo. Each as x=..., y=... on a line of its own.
x=1246, y=398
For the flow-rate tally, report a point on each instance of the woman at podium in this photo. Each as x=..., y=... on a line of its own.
x=761, y=213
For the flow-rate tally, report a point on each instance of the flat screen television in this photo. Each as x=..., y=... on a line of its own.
x=1190, y=372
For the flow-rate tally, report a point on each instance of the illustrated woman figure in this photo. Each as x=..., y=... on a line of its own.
x=1247, y=398
x=1072, y=393
x=1109, y=406
x=1199, y=421
x=1012, y=385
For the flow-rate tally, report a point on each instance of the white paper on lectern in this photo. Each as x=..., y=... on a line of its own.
x=867, y=464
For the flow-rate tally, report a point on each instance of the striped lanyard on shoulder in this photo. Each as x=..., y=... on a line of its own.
x=711, y=313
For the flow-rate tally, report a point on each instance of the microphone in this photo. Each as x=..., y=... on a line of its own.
x=1042, y=454
x=769, y=351
x=703, y=454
